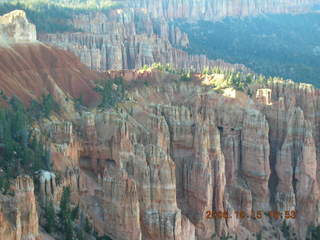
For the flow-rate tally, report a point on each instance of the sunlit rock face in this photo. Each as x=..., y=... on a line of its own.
x=15, y=28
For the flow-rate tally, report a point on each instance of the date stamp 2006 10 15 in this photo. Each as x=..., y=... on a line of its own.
x=254, y=214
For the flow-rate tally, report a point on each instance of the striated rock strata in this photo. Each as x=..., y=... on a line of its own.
x=31, y=70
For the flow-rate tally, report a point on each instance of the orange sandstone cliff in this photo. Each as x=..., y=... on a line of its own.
x=152, y=168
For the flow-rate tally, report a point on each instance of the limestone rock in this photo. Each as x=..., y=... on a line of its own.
x=15, y=28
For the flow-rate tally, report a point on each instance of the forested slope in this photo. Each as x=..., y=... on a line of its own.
x=274, y=45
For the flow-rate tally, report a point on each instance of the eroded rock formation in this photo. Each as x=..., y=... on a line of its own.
x=217, y=9
x=141, y=33
x=153, y=168
x=15, y=28
x=18, y=213
x=129, y=39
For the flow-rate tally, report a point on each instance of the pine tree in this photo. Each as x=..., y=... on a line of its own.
x=50, y=217
x=87, y=226
x=79, y=103
x=68, y=229
x=313, y=233
x=80, y=235
x=65, y=205
x=47, y=102
x=65, y=214
x=259, y=236
x=75, y=213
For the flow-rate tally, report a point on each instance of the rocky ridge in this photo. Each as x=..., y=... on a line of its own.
x=15, y=28
x=30, y=70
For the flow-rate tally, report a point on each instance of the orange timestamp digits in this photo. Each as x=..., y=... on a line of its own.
x=237, y=214
x=254, y=214
x=217, y=214
x=283, y=214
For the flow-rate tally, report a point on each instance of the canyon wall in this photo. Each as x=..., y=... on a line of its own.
x=153, y=168
x=129, y=39
x=142, y=32
x=30, y=69
x=217, y=9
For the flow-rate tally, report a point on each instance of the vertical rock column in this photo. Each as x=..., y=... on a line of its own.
x=18, y=214
x=26, y=204
x=254, y=160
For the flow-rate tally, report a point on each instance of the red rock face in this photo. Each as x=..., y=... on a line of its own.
x=30, y=70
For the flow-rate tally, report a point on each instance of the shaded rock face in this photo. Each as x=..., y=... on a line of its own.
x=129, y=39
x=217, y=9
x=18, y=214
x=294, y=157
x=15, y=28
x=153, y=168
